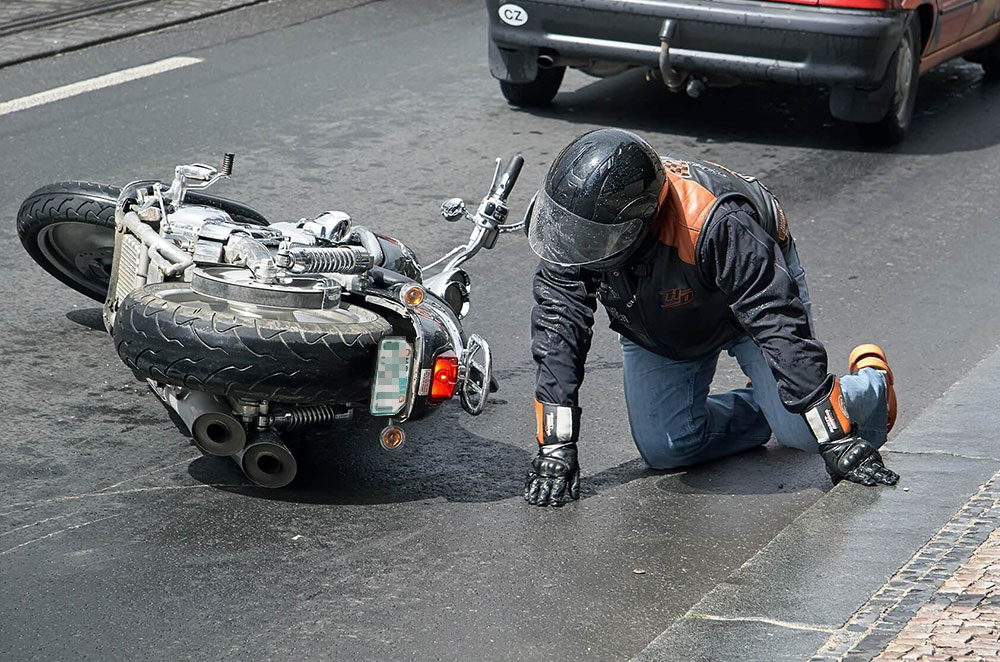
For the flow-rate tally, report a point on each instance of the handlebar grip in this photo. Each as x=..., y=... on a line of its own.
x=510, y=176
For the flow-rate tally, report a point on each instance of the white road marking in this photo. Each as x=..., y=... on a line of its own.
x=100, y=82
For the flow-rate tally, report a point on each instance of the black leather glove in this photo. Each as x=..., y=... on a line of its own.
x=856, y=460
x=554, y=476
x=846, y=454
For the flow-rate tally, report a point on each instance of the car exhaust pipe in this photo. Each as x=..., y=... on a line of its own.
x=548, y=61
x=267, y=462
x=208, y=418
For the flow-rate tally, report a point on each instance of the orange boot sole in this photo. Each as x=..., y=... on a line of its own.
x=873, y=356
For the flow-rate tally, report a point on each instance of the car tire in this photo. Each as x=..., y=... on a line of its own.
x=903, y=75
x=538, y=92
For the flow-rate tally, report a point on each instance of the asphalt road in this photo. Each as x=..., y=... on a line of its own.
x=118, y=541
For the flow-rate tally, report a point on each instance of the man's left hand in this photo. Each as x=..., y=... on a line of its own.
x=856, y=460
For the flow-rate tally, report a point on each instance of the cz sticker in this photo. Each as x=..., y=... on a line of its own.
x=513, y=15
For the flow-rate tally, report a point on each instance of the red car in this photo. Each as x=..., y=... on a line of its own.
x=868, y=53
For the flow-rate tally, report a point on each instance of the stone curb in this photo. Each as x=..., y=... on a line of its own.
x=844, y=579
x=880, y=620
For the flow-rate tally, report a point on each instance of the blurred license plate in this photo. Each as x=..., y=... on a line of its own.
x=392, y=377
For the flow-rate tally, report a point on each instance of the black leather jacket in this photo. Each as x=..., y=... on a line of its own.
x=686, y=293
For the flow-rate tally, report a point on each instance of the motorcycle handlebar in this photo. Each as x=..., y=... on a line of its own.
x=509, y=177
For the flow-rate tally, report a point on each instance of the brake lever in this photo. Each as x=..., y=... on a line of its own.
x=496, y=177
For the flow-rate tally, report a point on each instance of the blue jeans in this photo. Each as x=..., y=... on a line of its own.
x=675, y=422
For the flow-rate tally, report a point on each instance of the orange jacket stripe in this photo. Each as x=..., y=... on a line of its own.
x=683, y=215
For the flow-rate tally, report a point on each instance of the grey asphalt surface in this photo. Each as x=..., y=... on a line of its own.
x=118, y=541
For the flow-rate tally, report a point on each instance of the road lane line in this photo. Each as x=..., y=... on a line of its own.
x=92, y=84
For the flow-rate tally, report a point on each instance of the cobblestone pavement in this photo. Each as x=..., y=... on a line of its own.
x=30, y=29
x=962, y=621
x=944, y=604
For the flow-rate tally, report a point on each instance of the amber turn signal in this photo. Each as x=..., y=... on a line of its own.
x=412, y=295
x=392, y=437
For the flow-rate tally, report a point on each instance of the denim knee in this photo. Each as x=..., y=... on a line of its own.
x=792, y=431
x=669, y=451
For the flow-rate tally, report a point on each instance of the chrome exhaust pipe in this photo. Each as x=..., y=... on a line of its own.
x=208, y=418
x=267, y=462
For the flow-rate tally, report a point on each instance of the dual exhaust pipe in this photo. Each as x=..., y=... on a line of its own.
x=266, y=461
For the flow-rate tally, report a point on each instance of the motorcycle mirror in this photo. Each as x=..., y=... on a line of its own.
x=453, y=209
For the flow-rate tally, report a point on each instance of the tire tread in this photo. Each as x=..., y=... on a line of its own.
x=155, y=339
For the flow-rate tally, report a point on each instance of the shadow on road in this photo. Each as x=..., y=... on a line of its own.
x=442, y=461
x=951, y=98
x=771, y=469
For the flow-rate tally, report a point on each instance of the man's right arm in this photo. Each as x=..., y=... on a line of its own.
x=562, y=323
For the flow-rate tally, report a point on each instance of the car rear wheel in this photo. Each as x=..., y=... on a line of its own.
x=904, y=72
x=538, y=92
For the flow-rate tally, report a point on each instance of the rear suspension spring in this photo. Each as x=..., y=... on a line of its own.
x=339, y=259
x=286, y=420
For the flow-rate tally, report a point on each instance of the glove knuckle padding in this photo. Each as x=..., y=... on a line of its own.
x=857, y=460
x=554, y=477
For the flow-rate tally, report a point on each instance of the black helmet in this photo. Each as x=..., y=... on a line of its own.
x=598, y=200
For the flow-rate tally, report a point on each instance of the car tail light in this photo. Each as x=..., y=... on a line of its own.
x=445, y=376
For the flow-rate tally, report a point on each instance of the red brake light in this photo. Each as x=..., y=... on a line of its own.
x=445, y=376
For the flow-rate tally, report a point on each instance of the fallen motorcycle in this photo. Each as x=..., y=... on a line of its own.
x=250, y=330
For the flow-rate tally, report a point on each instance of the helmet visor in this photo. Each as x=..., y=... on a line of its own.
x=559, y=236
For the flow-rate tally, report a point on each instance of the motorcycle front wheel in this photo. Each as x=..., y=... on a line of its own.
x=173, y=335
x=69, y=230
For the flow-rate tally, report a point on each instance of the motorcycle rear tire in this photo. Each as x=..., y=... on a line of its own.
x=68, y=228
x=172, y=335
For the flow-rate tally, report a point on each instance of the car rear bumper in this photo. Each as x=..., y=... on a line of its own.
x=770, y=41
